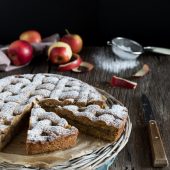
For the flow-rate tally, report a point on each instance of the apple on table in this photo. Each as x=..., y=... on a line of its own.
x=74, y=40
x=20, y=52
x=31, y=36
x=59, y=53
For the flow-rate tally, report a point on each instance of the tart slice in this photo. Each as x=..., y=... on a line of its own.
x=48, y=132
x=107, y=123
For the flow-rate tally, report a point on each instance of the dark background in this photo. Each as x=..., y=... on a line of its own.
x=97, y=21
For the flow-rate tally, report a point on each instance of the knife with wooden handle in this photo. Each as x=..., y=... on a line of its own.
x=157, y=148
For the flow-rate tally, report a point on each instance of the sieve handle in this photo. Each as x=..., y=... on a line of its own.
x=158, y=50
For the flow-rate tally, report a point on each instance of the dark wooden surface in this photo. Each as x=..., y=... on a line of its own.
x=156, y=85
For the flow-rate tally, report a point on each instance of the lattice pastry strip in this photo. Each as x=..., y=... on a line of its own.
x=7, y=111
x=19, y=91
x=5, y=82
x=4, y=95
x=59, y=88
x=47, y=126
x=112, y=117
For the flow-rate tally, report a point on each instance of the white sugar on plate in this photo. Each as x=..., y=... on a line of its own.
x=125, y=48
x=114, y=65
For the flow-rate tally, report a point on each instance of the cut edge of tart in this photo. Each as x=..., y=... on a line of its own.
x=48, y=132
x=107, y=124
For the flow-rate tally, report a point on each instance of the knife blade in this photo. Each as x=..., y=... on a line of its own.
x=159, y=157
x=148, y=112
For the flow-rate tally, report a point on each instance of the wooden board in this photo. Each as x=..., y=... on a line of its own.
x=136, y=155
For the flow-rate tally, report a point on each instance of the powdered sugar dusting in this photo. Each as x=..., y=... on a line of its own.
x=119, y=111
x=1, y=104
x=47, y=126
x=35, y=98
x=111, y=64
x=43, y=92
x=5, y=94
x=72, y=108
x=5, y=82
x=21, y=88
x=112, y=117
x=17, y=92
x=7, y=111
x=47, y=86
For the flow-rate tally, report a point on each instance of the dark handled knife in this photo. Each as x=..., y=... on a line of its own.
x=158, y=152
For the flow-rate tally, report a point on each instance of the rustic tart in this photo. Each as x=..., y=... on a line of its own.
x=58, y=107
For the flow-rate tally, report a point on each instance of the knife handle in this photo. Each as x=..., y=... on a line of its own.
x=158, y=152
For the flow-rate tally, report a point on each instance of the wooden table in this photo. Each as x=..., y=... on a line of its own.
x=156, y=85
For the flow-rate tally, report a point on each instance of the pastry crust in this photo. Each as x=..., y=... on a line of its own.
x=10, y=131
x=48, y=132
x=79, y=103
x=106, y=124
x=58, y=144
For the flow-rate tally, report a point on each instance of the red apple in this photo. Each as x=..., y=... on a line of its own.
x=59, y=53
x=74, y=40
x=31, y=36
x=20, y=52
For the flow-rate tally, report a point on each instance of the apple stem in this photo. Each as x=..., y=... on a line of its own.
x=66, y=30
